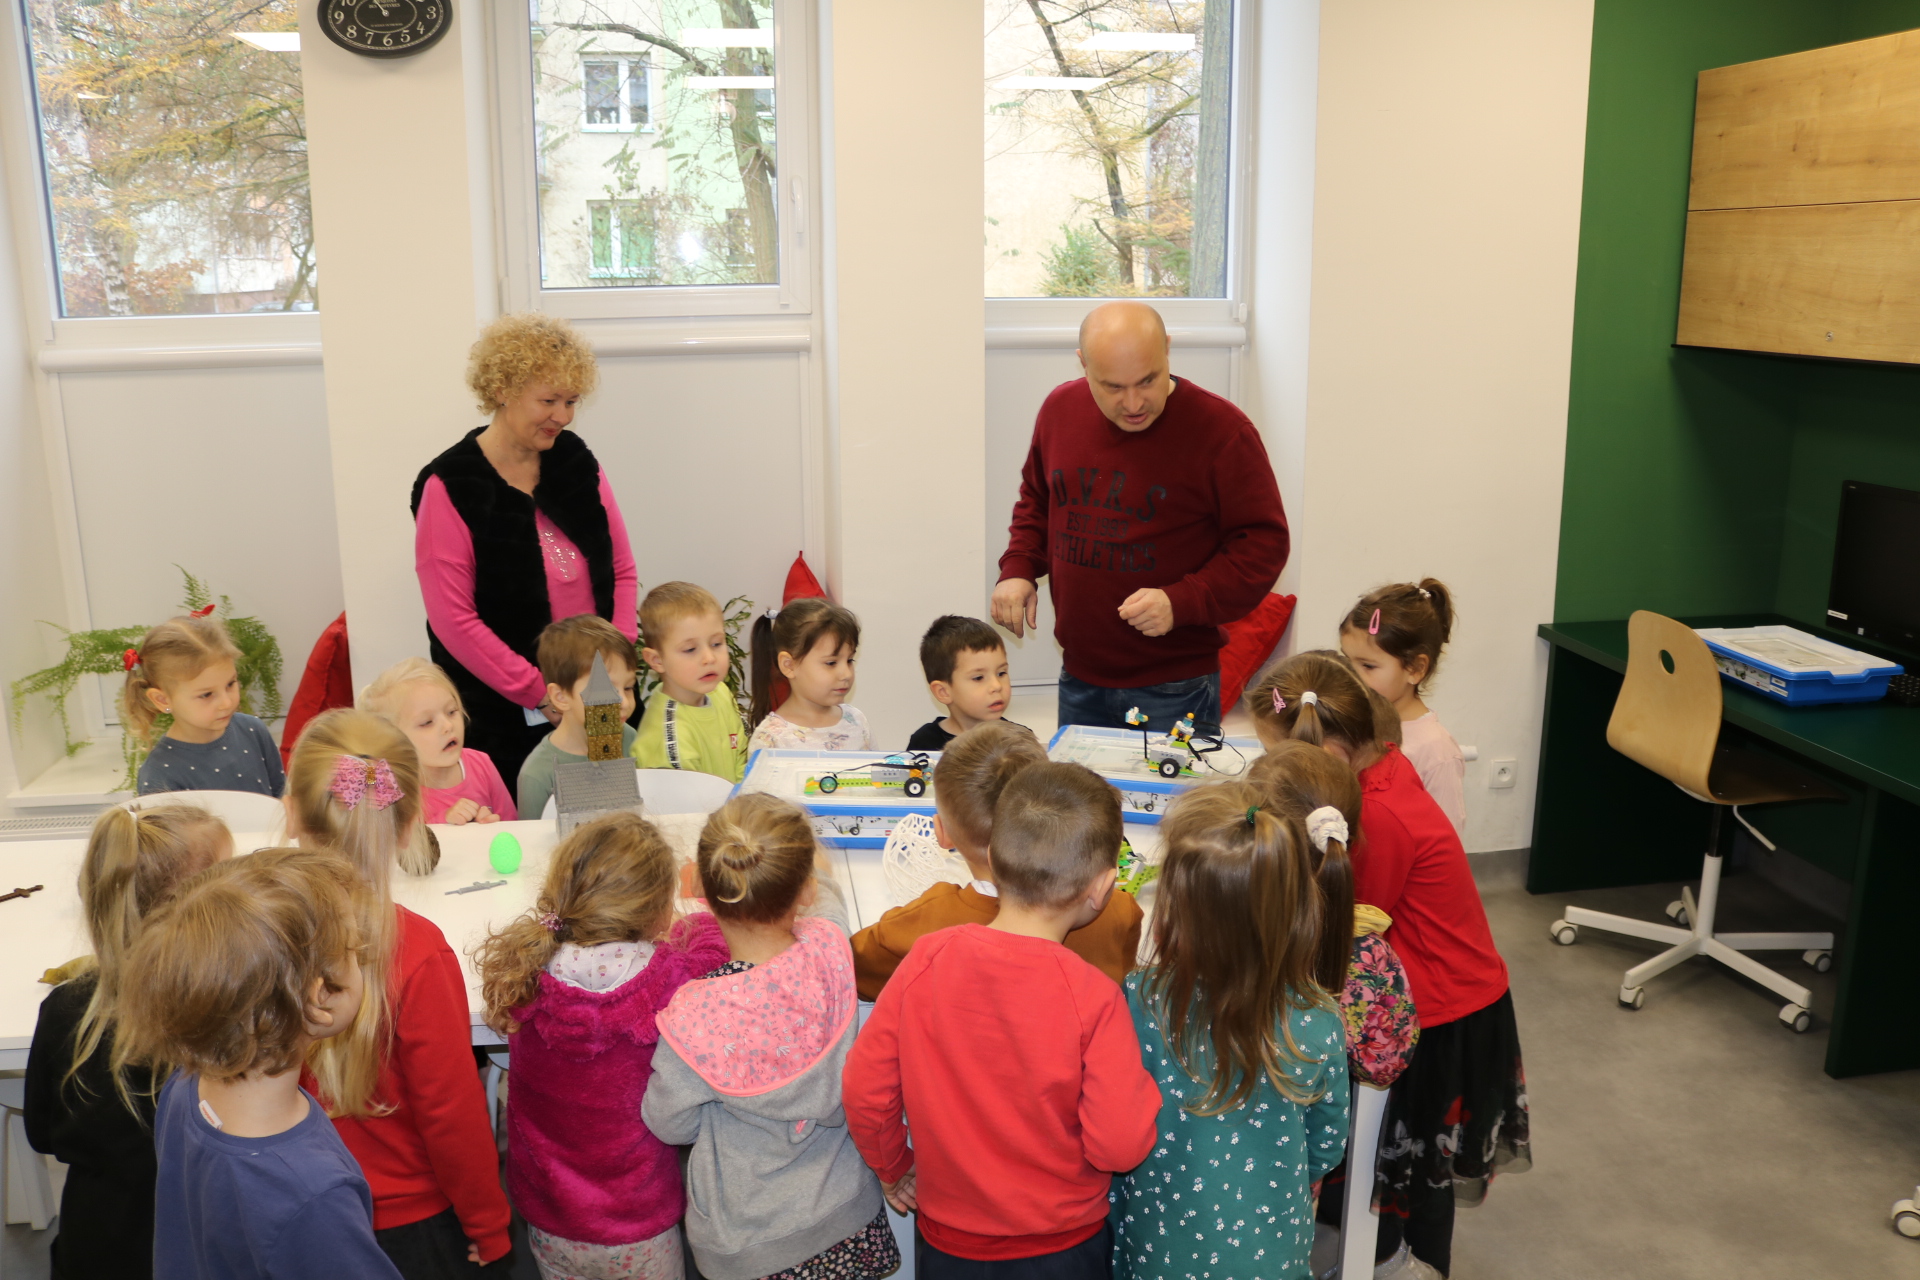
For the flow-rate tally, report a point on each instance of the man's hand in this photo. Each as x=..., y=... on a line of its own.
x=1016, y=605
x=904, y=1195
x=1147, y=611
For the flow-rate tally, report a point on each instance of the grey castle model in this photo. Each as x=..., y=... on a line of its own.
x=607, y=781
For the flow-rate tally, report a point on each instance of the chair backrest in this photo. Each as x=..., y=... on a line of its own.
x=1667, y=716
x=682, y=791
x=244, y=812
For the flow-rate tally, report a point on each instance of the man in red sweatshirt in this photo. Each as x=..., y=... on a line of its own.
x=1150, y=506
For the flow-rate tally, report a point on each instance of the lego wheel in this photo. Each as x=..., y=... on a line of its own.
x=1633, y=997
x=1906, y=1219
x=1801, y=1020
x=829, y=784
x=1563, y=933
x=1169, y=768
x=916, y=787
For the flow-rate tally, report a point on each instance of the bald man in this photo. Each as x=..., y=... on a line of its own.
x=1148, y=504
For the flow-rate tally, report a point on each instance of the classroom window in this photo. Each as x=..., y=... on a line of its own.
x=1107, y=148
x=174, y=156
x=655, y=117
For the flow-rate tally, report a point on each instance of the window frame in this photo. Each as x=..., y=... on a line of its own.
x=623, y=94
x=795, y=121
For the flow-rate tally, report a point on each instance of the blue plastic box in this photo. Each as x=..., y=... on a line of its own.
x=1119, y=756
x=853, y=816
x=1801, y=670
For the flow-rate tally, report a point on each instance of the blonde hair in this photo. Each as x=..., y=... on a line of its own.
x=667, y=604
x=756, y=855
x=135, y=861
x=373, y=840
x=974, y=769
x=1055, y=827
x=169, y=655
x=382, y=695
x=1298, y=778
x=518, y=350
x=612, y=880
x=220, y=981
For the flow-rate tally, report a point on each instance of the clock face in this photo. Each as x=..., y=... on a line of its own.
x=385, y=28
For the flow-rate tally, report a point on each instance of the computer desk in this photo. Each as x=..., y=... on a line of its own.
x=1601, y=820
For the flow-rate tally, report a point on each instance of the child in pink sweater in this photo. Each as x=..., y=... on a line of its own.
x=575, y=984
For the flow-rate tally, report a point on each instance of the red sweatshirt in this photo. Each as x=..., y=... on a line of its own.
x=1020, y=1119
x=1189, y=505
x=1409, y=863
x=435, y=1148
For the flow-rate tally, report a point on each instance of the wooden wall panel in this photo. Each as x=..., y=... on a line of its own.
x=1828, y=126
x=1783, y=279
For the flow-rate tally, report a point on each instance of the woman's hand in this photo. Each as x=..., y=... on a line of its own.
x=546, y=709
x=464, y=811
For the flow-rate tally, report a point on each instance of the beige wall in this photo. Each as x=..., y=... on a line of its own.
x=1449, y=146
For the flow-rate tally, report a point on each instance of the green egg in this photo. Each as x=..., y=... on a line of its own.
x=504, y=853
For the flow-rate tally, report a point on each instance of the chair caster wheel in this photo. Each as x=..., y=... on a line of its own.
x=1906, y=1217
x=1801, y=1020
x=1633, y=997
x=1677, y=912
x=1563, y=933
x=1820, y=960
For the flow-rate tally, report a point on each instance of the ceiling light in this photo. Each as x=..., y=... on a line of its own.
x=1139, y=42
x=1052, y=82
x=729, y=82
x=727, y=38
x=272, y=41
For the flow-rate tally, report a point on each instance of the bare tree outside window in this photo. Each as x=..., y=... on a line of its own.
x=1106, y=156
x=175, y=155
x=656, y=142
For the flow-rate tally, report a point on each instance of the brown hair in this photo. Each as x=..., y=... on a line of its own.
x=219, y=981
x=170, y=654
x=1341, y=708
x=611, y=880
x=566, y=648
x=136, y=859
x=1416, y=619
x=756, y=855
x=951, y=636
x=1055, y=828
x=1297, y=779
x=799, y=627
x=518, y=350
x=1236, y=929
x=669, y=603
x=382, y=695
x=348, y=1066
x=973, y=771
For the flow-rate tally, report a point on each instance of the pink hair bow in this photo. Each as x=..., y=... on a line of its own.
x=356, y=778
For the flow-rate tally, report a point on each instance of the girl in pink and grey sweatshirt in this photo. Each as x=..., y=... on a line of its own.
x=577, y=982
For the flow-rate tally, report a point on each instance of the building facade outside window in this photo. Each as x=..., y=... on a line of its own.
x=615, y=94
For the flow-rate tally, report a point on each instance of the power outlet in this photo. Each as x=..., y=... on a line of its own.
x=1504, y=772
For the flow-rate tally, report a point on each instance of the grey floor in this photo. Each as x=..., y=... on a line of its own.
x=1695, y=1139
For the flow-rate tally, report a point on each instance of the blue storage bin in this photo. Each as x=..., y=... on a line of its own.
x=853, y=815
x=1791, y=666
x=1120, y=756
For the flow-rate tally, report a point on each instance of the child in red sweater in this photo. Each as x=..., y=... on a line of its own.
x=1013, y=1059
x=400, y=1085
x=1458, y=1114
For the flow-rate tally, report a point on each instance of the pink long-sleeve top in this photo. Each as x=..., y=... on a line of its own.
x=443, y=558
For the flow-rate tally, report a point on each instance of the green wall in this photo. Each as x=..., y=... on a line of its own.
x=1701, y=481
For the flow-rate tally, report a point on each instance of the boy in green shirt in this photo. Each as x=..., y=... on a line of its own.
x=692, y=721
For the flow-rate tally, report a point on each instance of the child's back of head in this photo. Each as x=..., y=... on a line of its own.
x=1236, y=935
x=1317, y=698
x=1323, y=795
x=756, y=858
x=1055, y=828
x=567, y=646
x=973, y=772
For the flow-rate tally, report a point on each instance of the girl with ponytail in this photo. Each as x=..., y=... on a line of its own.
x=575, y=985
x=1393, y=637
x=802, y=677
x=749, y=1063
x=1460, y=1107
x=96, y=1120
x=400, y=1083
x=1236, y=1030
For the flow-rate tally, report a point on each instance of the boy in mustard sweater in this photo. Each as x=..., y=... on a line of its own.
x=967, y=783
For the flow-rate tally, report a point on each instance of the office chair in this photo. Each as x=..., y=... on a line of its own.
x=1667, y=718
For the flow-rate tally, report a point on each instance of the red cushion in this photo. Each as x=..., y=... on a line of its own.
x=801, y=584
x=1250, y=642
x=327, y=683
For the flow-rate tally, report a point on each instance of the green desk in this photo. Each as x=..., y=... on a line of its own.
x=1601, y=820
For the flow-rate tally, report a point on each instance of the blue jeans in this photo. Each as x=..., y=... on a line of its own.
x=1162, y=704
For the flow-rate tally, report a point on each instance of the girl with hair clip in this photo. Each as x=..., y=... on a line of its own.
x=185, y=669
x=575, y=985
x=749, y=1064
x=809, y=646
x=96, y=1121
x=1393, y=637
x=400, y=1084
x=1244, y=1043
x=1458, y=1114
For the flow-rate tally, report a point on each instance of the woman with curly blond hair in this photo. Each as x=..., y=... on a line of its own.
x=516, y=527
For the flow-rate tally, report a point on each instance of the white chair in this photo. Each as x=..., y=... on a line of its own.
x=29, y=1190
x=1359, y=1224
x=242, y=811
x=672, y=791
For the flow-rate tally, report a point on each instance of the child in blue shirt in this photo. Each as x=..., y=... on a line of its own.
x=233, y=983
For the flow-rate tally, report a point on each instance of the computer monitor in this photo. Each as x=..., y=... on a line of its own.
x=1876, y=565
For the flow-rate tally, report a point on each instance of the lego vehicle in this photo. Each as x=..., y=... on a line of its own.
x=1174, y=753
x=908, y=770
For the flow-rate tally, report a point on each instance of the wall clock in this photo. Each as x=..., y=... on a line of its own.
x=385, y=28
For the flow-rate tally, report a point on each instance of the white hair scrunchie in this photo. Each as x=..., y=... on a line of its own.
x=1326, y=824
x=1310, y=699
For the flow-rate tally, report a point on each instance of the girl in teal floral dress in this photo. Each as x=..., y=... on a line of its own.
x=1247, y=1049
